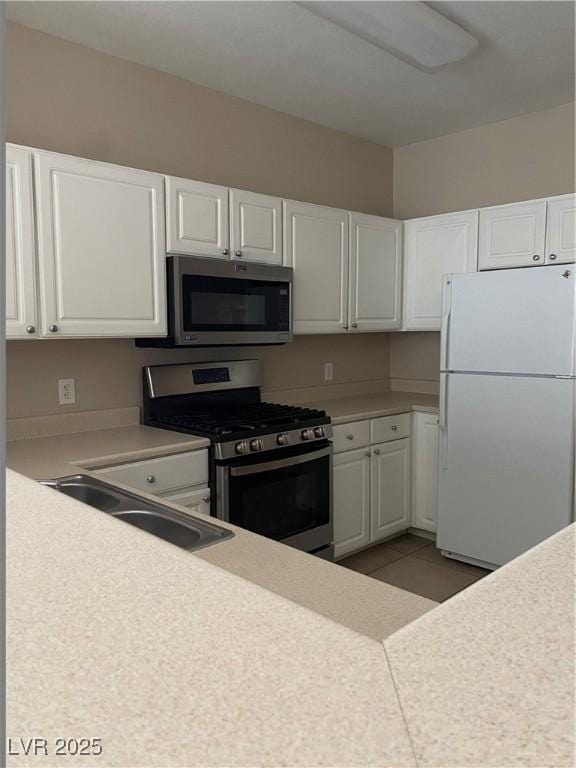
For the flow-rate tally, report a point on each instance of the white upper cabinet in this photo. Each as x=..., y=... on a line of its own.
x=100, y=247
x=197, y=220
x=375, y=273
x=255, y=227
x=21, y=321
x=435, y=246
x=561, y=230
x=316, y=246
x=512, y=235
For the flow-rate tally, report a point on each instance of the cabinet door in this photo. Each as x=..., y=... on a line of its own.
x=512, y=235
x=561, y=229
x=196, y=500
x=102, y=263
x=20, y=255
x=316, y=246
x=424, y=471
x=390, y=489
x=351, y=501
x=197, y=220
x=375, y=273
x=255, y=227
x=435, y=246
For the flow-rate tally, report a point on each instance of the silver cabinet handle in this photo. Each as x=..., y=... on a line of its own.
x=205, y=499
x=53, y=328
x=349, y=437
x=553, y=257
x=377, y=451
x=150, y=479
x=354, y=325
x=226, y=252
x=394, y=427
x=30, y=329
x=535, y=257
x=367, y=453
x=238, y=254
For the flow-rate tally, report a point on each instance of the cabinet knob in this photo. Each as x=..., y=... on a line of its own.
x=238, y=254
x=226, y=252
x=354, y=325
x=535, y=257
x=377, y=451
x=553, y=257
x=349, y=437
x=394, y=428
x=30, y=329
x=53, y=328
x=367, y=453
x=150, y=479
x=205, y=499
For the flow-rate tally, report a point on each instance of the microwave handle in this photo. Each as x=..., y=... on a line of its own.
x=269, y=466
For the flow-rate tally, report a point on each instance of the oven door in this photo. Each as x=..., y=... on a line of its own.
x=230, y=303
x=288, y=499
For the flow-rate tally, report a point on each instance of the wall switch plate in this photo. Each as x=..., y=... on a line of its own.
x=66, y=391
x=328, y=371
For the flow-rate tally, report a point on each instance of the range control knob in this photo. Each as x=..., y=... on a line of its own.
x=307, y=434
x=256, y=445
x=241, y=447
x=319, y=431
x=283, y=439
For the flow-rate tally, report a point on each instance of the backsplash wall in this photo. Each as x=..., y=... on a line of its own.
x=415, y=361
x=108, y=371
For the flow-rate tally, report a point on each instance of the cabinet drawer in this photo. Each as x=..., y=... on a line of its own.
x=349, y=436
x=163, y=474
x=390, y=428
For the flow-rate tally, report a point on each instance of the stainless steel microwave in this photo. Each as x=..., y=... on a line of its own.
x=224, y=303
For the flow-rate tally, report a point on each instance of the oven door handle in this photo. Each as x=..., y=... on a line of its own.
x=269, y=466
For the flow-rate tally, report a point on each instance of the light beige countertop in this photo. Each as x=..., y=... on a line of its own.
x=172, y=661
x=344, y=409
x=59, y=455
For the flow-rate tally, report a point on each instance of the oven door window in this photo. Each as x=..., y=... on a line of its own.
x=234, y=304
x=282, y=502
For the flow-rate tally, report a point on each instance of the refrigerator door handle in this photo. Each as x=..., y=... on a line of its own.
x=445, y=323
x=443, y=421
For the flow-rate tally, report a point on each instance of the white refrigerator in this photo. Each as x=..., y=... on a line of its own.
x=506, y=476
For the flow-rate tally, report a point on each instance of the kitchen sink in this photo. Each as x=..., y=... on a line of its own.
x=169, y=524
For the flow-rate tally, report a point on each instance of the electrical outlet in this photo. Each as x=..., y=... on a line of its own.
x=328, y=371
x=66, y=391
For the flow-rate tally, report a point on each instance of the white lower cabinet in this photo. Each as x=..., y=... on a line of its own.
x=351, y=501
x=389, y=489
x=371, y=485
x=196, y=499
x=424, y=470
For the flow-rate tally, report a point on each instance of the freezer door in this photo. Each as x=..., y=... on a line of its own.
x=506, y=474
x=511, y=321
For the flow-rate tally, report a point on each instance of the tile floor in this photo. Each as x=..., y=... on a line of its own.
x=414, y=564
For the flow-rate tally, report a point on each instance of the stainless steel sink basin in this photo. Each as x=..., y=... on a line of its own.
x=169, y=524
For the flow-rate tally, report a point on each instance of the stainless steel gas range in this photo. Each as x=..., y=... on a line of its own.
x=270, y=464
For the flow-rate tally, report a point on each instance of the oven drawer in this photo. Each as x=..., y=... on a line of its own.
x=349, y=436
x=390, y=428
x=163, y=474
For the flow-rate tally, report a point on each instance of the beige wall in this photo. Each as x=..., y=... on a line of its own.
x=69, y=98
x=415, y=357
x=518, y=159
x=108, y=372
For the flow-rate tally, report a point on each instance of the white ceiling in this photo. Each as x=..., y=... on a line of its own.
x=280, y=55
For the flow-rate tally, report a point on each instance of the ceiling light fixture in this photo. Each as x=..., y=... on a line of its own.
x=411, y=31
